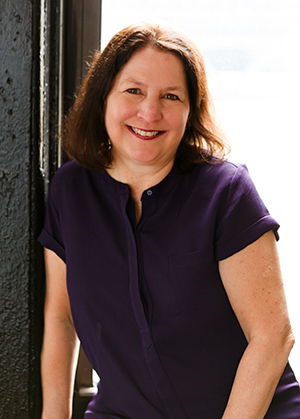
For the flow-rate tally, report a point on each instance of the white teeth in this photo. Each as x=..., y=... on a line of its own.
x=145, y=133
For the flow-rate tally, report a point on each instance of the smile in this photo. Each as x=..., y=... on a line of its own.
x=145, y=134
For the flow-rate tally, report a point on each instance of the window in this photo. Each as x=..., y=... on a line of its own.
x=251, y=51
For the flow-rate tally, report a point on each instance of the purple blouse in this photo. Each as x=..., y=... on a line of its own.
x=147, y=301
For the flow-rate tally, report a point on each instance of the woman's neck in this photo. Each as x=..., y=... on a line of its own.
x=139, y=180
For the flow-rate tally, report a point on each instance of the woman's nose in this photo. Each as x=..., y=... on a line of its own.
x=150, y=110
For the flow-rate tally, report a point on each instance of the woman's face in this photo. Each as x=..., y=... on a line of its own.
x=147, y=109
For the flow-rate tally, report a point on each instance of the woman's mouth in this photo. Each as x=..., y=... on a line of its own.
x=145, y=133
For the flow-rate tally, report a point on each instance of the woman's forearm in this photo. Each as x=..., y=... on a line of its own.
x=257, y=377
x=58, y=366
x=253, y=282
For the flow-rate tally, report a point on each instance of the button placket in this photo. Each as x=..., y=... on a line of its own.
x=158, y=375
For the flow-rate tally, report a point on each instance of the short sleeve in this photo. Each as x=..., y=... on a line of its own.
x=51, y=236
x=243, y=216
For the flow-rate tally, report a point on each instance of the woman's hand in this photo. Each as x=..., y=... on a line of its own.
x=253, y=283
x=60, y=345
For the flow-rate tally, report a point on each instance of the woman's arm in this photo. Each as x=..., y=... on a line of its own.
x=253, y=283
x=60, y=345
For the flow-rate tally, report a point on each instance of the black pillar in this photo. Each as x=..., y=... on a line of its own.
x=20, y=294
x=31, y=106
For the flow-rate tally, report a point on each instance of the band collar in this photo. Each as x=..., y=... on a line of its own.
x=163, y=187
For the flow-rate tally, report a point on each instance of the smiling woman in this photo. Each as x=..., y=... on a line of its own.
x=185, y=86
x=146, y=116
x=160, y=255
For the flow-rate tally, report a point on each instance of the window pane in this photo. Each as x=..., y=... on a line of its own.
x=251, y=49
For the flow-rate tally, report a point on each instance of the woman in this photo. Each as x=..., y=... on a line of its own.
x=160, y=255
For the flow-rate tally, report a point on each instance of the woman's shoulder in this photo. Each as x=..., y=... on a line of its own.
x=223, y=180
x=67, y=171
x=71, y=172
x=72, y=181
x=222, y=170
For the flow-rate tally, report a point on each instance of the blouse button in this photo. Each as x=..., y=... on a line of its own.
x=149, y=192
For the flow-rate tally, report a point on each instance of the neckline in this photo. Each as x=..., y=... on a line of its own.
x=164, y=186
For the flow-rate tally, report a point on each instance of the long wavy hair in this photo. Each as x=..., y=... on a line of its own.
x=85, y=136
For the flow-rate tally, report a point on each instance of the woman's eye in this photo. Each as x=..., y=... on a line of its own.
x=133, y=91
x=171, y=96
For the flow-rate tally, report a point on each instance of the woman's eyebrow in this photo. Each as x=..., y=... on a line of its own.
x=172, y=88
x=140, y=83
x=132, y=80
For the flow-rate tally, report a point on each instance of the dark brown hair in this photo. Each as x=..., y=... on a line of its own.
x=85, y=136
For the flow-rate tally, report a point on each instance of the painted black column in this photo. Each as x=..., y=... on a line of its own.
x=21, y=293
x=32, y=101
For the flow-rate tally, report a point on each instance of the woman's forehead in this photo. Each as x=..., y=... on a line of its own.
x=149, y=60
